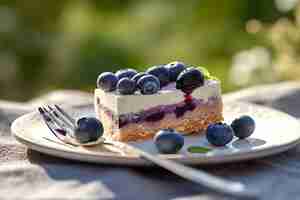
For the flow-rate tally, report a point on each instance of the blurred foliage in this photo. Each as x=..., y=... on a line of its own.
x=278, y=57
x=46, y=45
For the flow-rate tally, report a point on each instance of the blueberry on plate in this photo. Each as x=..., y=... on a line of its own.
x=107, y=81
x=168, y=141
x=89, y=129
x=161, y=73
x=189, y=79
x=243, y=127
x=137, y=77
x=175, y=68
x=219, y=134
x=126, y=86
x=149, y=84
x=125, y=73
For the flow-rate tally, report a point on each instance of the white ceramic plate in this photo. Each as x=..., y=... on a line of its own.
x=275, y=132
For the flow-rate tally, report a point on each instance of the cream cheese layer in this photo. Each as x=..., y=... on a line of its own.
x=123, y=104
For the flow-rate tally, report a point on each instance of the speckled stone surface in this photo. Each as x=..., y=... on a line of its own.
x=28, y=174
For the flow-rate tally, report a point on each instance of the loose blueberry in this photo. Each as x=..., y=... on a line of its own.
x=137, y=77
x=161, y=73
x=175, y=68
x=126, y=86
x=243, y=127
x=125, y=73
x=219, y=134
x=107, y=81
x=149, y=84
x=88, y=129
x=189, y=79
x=168, y=141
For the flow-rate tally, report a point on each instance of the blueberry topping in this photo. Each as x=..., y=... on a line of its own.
x=126, y=86
x=88, y=129
x=189, y=79
x=107, y=81
x=136, y=118
x=149, y=84
x=243, y=127
x=219, y=134
x=175, y=68
x=137, y=77
x=168, y=141
x=125, y=73
x=161, y=73
x=181, y=110
x=155, y=116
x=122, y=121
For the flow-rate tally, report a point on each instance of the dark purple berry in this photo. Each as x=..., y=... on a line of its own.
x=88, y=129
x=149, y=84
x=175, y=68
x=189, y=79
x=168, y=141
x=137, y=77
x=243, y=127
x=161, y=73
x=125, y=73
x=219, y=134
x=107, y=81
x=126, y=86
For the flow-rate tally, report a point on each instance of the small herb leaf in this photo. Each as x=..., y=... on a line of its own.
x=198, y=149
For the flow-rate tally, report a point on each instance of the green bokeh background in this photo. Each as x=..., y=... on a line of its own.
x=47, y=45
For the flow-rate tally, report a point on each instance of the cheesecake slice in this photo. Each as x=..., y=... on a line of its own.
x=138, y=117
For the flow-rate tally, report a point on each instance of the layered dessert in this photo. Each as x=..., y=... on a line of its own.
x=134, y=106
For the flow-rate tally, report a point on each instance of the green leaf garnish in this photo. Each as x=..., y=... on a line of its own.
x=206, y=73
x=198, y=149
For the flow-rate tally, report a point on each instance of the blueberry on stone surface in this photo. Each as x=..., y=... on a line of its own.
x=175, y=68
x=149, y=84
x=89, y=129
x=125, y=73
x=107, y=81
x=219, y=134
x=168, y=141
x=243, y=127
x=126, y=86
x=161, y=72
x=189, y=79
x=137, y=77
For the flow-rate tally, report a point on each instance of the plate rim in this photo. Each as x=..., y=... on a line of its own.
x=138, y=161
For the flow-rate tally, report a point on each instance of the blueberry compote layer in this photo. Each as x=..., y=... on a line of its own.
x=159, y=112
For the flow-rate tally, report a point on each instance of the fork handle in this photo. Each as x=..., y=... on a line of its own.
x=211, y=182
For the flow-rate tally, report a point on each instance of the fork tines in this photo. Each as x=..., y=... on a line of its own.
x=55, y=124
x=66, y=115
x=63, y=116
x=49, y=122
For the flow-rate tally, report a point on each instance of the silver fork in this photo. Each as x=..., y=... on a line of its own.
x=62, y=125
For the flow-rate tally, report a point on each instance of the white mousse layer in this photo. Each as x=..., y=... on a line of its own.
x=122, y=104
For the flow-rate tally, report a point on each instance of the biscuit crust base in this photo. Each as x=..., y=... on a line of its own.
x=192, y=122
